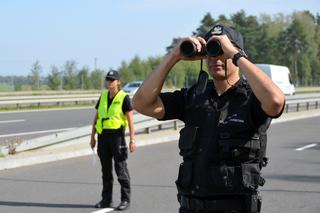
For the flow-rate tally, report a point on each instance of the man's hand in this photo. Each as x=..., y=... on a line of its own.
x=228, y=48
x=199, y=43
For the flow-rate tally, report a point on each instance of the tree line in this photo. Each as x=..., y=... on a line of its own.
x=69, y=77
x=290, y=40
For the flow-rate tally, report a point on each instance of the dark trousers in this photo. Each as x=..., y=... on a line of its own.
x=112, y=146
x=183, y=210
x=215, y=204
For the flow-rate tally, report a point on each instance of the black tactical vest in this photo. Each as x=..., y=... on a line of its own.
x=223, y=151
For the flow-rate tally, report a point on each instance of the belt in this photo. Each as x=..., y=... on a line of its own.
x=211, y=205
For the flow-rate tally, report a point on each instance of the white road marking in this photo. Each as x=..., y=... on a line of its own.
x=306, y=147
x=34, y=132
x=12, y=121
x=104, y=210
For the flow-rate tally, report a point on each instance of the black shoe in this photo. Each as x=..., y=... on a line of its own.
x=124, y=205
x=103, y=204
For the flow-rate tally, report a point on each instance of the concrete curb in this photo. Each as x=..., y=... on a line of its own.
x=55, y=156
x=14, y=163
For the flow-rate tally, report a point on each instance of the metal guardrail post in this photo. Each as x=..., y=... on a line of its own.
x=307, y=105
x=316, y=105
x=298, y=106
x=175, y=125
x=148, y=130
x=160, y=127
x=287, y=108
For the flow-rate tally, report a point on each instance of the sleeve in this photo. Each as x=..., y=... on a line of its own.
x=126, y=106
x=174, y=104
x=97, y=105
x=259, y=116
x=280, y=113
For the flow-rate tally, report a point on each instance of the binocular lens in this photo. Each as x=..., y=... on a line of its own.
x=188, y=48
x=213, y=48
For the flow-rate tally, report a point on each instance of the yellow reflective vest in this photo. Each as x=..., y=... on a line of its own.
x=112, y=117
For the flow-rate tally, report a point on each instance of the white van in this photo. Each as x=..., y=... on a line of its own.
x=280, y=75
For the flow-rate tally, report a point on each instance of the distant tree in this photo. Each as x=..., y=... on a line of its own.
x=137, y=69
x=251, y=31
x=97, y=79
x=293, y=45
x=70, y=75
x=84, y=79
x=124, y=72
x=205, y=25
x=55, y=78
x=35, y=73
x=20, y=82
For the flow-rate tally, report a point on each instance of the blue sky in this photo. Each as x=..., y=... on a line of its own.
x=111, y=31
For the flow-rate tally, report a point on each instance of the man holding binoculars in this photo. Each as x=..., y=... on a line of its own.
x=223, y=143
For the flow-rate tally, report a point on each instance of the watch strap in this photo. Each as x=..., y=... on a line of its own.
x=238, y=55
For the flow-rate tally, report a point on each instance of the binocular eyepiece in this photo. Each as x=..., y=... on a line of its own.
x=212, y=49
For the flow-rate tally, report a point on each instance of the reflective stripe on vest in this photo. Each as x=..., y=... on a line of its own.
x=112, y=117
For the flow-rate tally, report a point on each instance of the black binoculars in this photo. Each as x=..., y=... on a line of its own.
x=212, y=49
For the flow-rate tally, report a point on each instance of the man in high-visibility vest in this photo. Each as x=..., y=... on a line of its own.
x=114, y=114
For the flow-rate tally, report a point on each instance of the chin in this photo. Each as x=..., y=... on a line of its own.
x=218, y=74
x=219, y=78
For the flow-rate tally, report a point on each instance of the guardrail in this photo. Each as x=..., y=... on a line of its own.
x=143, y=125
x=24, y=101
x=299, y=105
x=48, y=102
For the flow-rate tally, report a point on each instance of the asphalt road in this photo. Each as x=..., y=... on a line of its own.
x=293, y=178
x=30, y=124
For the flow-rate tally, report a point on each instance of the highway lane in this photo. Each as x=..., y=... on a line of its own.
x=29, y=124
x=293, y=178
x=19, y=125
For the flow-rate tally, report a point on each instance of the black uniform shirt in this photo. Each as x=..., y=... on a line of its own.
x=174, y=103
x=213, y=137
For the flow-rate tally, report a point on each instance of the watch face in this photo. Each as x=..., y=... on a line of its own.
x=242, y=53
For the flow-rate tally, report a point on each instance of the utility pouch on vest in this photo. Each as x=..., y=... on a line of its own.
x=253, y=203
x=246, y=176
x=187, y=140
x=185, y=176
x=225, y=177
x=251, y=177
x=239, y=150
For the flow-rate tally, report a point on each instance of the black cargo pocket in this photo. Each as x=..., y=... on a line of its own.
x=239, y=150
x=225, y=177
x=122, y=151
x=185, y=176
x=187, y=139
x=251, y=177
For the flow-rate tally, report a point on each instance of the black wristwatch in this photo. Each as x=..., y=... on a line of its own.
x=238, y=55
